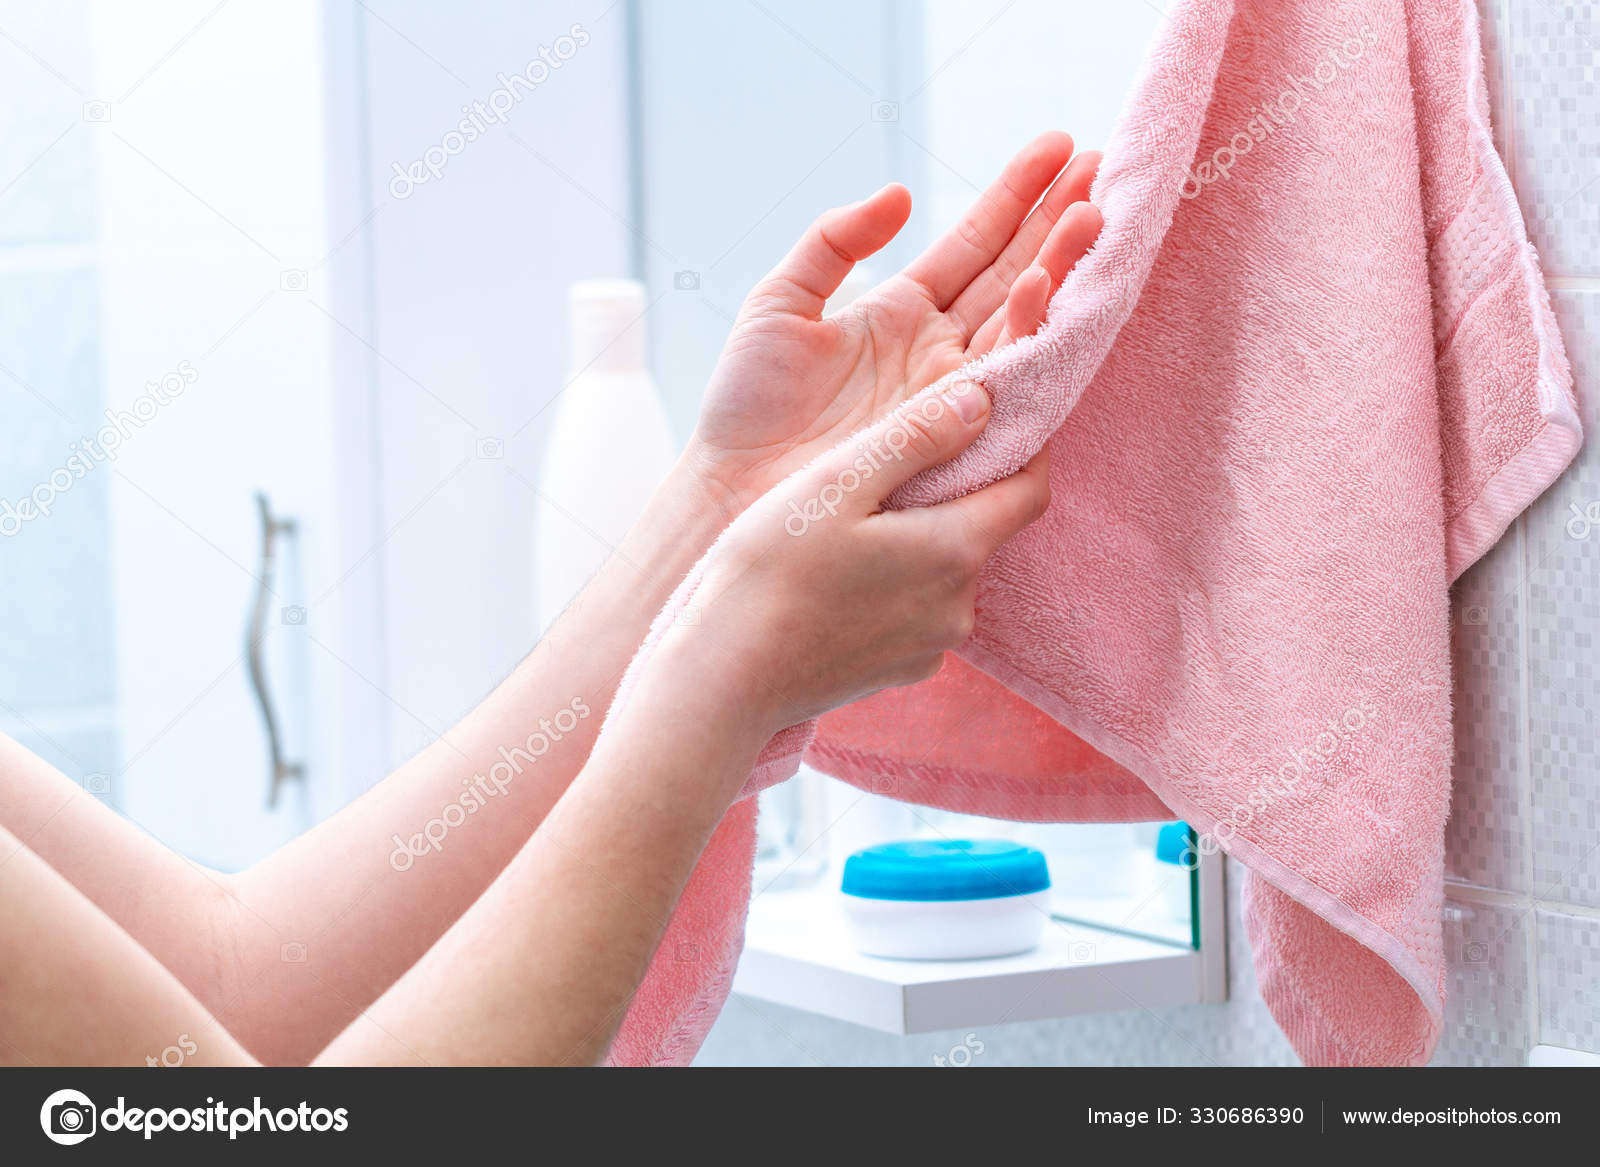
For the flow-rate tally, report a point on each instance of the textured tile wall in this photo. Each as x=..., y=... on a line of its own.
x=1522, y=923
x=1568, y=954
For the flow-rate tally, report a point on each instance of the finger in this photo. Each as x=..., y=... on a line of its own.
x=924, y=431
x=979, y=300
x=1025, y=307
x=962, y=253
x=831, y=246
x=1071, y=239
x=991, y=516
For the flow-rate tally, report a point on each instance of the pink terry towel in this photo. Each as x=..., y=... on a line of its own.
x=1308, y=375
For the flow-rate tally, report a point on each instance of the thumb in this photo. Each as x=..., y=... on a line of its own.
x=921, y=432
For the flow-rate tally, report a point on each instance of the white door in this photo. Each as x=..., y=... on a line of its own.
x=170, y=321
x=199, y=234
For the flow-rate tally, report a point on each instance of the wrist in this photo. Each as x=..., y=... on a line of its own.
x=682, y=519
x=730, y=482
x=703, y=498
x=697, y=692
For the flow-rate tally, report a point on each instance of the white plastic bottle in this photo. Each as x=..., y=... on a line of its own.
x=610, y=443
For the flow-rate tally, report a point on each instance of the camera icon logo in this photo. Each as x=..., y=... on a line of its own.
x=491, y=448
x=294, y=614
x=885, y=111
x=293, y=279
x=1583, y=520
x=67, y=1117
x=1474, y=615
x=1475, y=952
x=686, y=281
x=97, y=111
x=292, y=953
x=97, y=783
x=962, y=1055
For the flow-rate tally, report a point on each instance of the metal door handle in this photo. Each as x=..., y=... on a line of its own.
x=272, y=529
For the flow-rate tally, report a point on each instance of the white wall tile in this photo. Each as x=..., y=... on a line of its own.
x=1569, y=981
x=1563, y=551
x=1484, y=834
x=1486, y=1012
x=1554, y=80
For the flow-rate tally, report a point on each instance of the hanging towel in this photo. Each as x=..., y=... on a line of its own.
x=1308, y=375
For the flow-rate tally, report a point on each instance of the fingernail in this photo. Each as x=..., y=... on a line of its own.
x=968, y=399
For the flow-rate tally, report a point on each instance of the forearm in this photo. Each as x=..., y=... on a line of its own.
x=369, y=891
x=77, y=990
x=296, y=946
x=541, y=968
x=172, y=905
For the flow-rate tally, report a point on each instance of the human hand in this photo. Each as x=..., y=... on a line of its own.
x=791, y=384
x=816, y=596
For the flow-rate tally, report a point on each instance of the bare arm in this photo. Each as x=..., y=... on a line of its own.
x=541, y=967
x=77, y=990
x=292, y=950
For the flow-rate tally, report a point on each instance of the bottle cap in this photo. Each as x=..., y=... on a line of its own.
x=1172, y=844
x=606, y=326
x=945, y=869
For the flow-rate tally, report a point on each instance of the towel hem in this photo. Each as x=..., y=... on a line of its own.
x=1290, y=882
x=1507, y=494
x=1471, y=532
x=931, y=786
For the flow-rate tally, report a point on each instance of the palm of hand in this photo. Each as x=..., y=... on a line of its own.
x=788, y=388
x=791, y=384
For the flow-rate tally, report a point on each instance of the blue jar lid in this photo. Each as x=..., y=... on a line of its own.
x=945, y=869
x=1172, y=844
